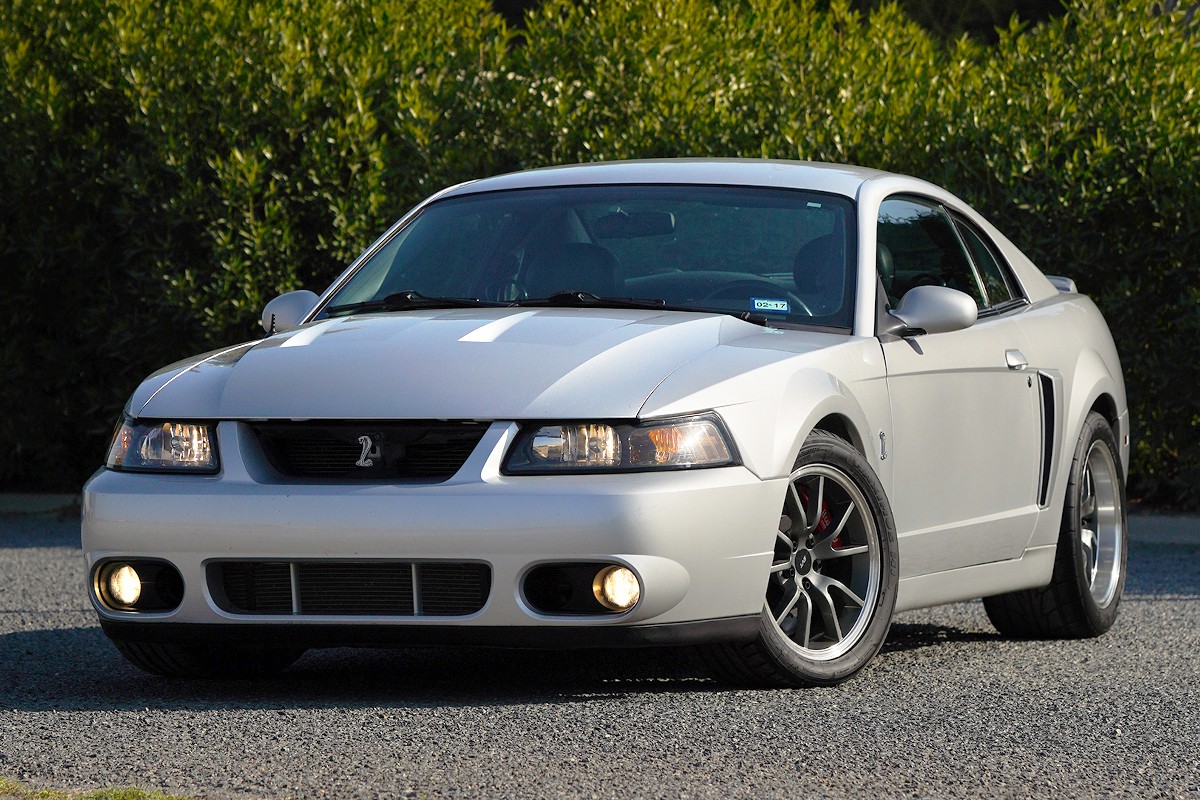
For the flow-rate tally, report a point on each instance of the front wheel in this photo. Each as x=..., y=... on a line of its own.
x=1089, y=564
x=832, y=586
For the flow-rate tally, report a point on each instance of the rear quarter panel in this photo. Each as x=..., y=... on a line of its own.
x=1070, y=341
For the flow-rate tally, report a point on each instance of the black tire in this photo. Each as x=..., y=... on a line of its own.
x=1084, y=593
x=193, y=661
x=810, y=635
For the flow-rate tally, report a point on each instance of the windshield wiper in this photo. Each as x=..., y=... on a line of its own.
x=410, y=299
x=589, y=300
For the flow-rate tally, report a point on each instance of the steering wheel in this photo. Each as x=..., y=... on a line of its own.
x=748, y=287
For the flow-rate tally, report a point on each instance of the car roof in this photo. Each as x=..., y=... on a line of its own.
x=839, y=179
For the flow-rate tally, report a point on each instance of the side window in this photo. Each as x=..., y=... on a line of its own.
x=919, y=246
x=996, y=285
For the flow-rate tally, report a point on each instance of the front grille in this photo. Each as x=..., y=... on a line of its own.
x=356, y=589
x=351, y=588
x=381, y=452
x=257, y=587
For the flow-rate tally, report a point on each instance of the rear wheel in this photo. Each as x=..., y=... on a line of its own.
x=194, y=661
x=1089, y=565
x=832, y=586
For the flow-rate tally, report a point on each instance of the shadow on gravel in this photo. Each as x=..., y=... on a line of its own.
x=77, y=669
x=904, y=638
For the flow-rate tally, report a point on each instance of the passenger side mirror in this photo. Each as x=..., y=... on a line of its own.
x=285, y=312
x=935, y=309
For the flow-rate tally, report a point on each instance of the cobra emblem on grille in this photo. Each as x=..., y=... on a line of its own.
x=367, y=444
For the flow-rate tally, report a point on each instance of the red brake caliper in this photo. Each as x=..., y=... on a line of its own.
x=823, y=521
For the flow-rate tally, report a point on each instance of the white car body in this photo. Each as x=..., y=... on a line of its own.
x=970, y=433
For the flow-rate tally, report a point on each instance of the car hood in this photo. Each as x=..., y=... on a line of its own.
x=456, y=364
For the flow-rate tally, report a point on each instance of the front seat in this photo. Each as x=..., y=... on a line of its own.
x=574, y=267
x=820, y=274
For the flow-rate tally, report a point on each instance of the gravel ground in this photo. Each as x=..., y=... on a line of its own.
x=949, y=709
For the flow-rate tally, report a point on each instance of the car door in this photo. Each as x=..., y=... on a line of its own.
x=965, y=406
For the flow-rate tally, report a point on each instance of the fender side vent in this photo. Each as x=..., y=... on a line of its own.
x=1046, y=389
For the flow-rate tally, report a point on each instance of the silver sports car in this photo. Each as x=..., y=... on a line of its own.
x=754, y=406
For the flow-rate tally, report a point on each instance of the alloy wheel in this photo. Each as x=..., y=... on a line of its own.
x=1100, y=524
x=825, y=573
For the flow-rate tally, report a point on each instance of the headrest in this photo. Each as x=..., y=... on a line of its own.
x=884, y=265
x=819, y=264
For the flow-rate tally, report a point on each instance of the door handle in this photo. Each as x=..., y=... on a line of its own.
x=1015, y=359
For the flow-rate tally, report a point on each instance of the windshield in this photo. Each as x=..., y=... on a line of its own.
x=781, y=254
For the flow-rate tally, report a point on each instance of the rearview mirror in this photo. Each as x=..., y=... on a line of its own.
x=633, y=225
x=935, y=309
x=285, y=312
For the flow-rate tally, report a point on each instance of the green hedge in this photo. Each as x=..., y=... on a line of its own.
x=167, y=167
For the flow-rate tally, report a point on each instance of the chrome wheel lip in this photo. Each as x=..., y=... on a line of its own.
x=1101, y=524
x=803, y=551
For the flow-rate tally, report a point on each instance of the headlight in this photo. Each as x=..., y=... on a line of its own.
x=684, y=443
x=163, y=447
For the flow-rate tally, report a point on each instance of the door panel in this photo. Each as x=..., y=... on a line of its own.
x=966, y=406
x=966, y=430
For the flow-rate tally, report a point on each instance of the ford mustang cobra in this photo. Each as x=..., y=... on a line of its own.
x=758, y=407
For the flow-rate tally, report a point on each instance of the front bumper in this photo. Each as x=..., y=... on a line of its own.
x=700, y=542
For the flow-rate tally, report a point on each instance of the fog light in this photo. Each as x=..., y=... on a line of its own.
x=616, y=588
x=123, y=585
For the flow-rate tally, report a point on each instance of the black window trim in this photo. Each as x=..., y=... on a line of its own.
x=1002, y=308
x=961, y=220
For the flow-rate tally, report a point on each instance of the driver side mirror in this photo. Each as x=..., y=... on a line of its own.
x=285, y=312
x=935, y=309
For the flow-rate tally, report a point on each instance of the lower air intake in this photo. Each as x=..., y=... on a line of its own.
x=350, y=588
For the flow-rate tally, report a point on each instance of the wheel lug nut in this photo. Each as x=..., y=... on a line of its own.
x=807, y=583
x=810, y=542
x=817, y=566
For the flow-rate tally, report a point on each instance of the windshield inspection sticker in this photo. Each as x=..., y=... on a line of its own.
x=765, y=304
